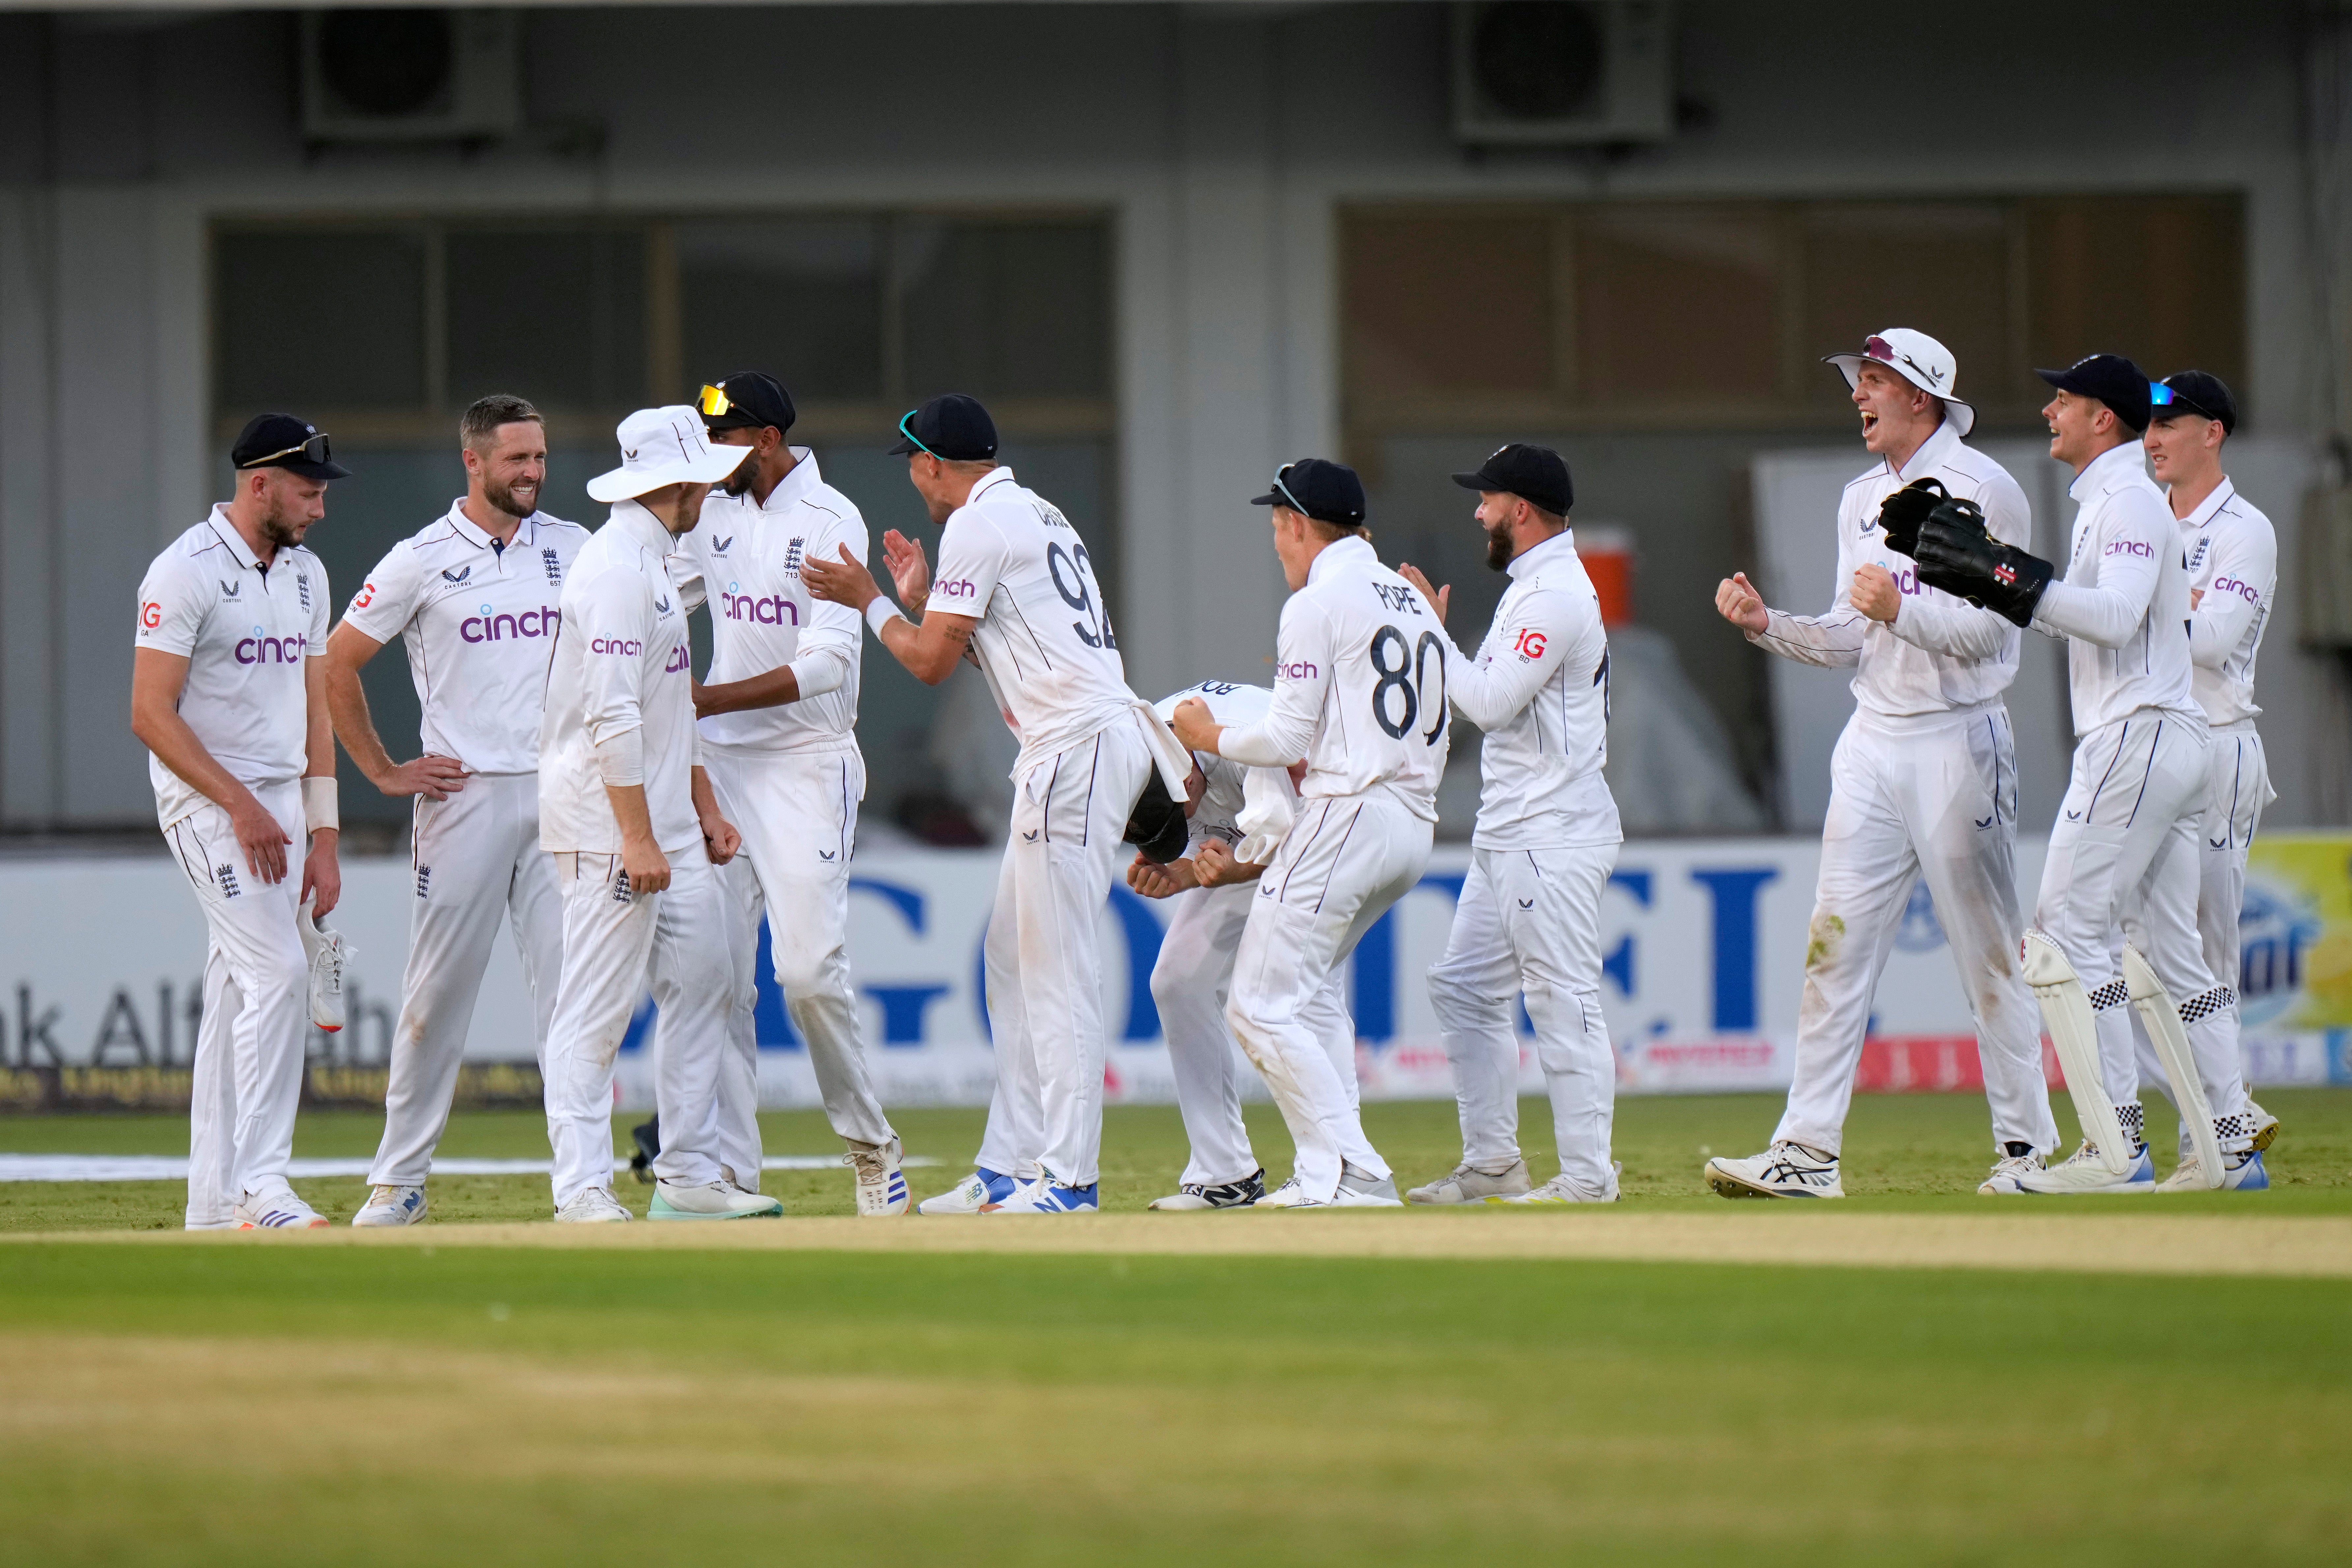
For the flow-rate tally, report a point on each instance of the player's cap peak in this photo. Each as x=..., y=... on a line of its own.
x=748, y=400
x=1324, y=490
x=1918, y=358
x=284, y=441
x=1534, y=474
x=950, y=426
x=2112, y=379
x=2197, y=393
x=661, y=446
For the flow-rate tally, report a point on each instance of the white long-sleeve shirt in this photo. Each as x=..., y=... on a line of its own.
x=1540, y=689
x=1942, y=654
x=619, y=668
x=477, y=620
x=1361, y=681
x=1241, y=803
x=2123, y=600
x=2234, y=565
x=744, y=559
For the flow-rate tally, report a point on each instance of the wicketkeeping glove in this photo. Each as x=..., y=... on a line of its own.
x=1901, y=513
x=1958, y=554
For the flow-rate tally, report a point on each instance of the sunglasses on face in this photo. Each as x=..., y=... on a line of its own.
x=313, y=451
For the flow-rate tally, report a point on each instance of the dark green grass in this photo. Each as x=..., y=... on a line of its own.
x=1912, y=1151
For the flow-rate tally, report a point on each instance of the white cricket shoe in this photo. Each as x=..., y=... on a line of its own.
x=1467, y=1185
x=881, y=1181
x=1786, y=1169
x=2082, y=1172
x=710, y=1200
x=277, y=1211
x=326, y=952
x=1356, y=1192
x=1562, y=1191
x=391, y=1206
x=1238, y=1195
x=2266, y=1126
x=1047, y=1195
x=595, y=1206
x=2009, y=1172
x=978, y=1193
x=2241, y=1172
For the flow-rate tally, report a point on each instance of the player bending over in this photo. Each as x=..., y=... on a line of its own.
x=2124, y=845
x=629, y=815
x=1528, y=922
x=1924, y=781
x=1239, y=816
x=1360, y=668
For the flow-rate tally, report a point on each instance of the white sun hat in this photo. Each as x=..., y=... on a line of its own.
x=665, y=446
x=1917, y=359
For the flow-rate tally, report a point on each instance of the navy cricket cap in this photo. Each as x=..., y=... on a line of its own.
x=2196, y=392
x=2112, y=379
x=1535, y=474
x=282, y=441
x=748, y=400
x=952, y=426
x=1324, y=491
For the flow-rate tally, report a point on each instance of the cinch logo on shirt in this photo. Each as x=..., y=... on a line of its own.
x=1907, y=581
x=487, y=628
x=151, y=614
x=2140, y=547
x=625, y=646
x=962, y=588
x=1300, y=670
x=261, y=650
x=679, y=659
x=2243, y=589
x=775, y=610
x=1530, y=644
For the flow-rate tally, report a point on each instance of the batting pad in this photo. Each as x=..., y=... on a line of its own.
x=2067, y=1009
x=2171, y=1040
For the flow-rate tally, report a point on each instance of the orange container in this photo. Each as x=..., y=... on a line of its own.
x=1608, y=556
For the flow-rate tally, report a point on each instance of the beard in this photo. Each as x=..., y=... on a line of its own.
x=739, y=483
x=503, y=497
x=1498, y=551
x=281, y=528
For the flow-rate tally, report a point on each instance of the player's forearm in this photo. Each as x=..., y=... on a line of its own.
x=772, y=688
x=2214, y=634
x=353, y=724
x=706, y=799
x=630, y=813
x=1831, y=641
x=2108, y=617
x=1492, y=696
x=176, y=745
x=1265, y=745
x=928, y=652
x=1955, y=627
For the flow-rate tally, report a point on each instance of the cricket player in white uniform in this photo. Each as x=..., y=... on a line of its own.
x=778, y=717
x=1016, y=591
x=229, y=697
x=1238, y=818
x=2233, y=556
x=2124, y=845
x=629, y=817
x=1361, y=669
x=474, y=597
x=1923, y=784
x=1528, y=922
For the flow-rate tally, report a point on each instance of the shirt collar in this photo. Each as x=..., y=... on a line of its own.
x=1932, y=454
x=233, y=539
x=642, y=527
x=1532, y=559
x=2202, y=512
x=2107, y=467
x=1340, y=551
x=995, y=477
x=476, y=536
x=803, y=478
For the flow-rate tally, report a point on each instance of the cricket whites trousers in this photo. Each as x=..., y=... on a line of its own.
x=1931, y=799
x=1189, y=984
x=614, y=940
x=1346, y=860
x=257, y=1017
x=2125, y=848
x=1044, y=955
x=798, y=815
x=1529, y=924
x=475, y=857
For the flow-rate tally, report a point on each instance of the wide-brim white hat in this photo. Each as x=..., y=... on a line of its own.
x=1917, y=359
x=665, y=446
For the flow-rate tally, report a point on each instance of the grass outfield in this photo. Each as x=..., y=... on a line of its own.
x=1927, y=1149
x=263, y=1400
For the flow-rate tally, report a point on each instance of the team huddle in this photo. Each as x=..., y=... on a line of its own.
x=635, y=825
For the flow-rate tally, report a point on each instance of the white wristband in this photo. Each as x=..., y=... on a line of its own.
x=319, y=806
x=881, y=612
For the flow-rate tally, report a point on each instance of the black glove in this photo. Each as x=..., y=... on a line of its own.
x=1158, y=826
x=1957, y=553
x=1901, y=513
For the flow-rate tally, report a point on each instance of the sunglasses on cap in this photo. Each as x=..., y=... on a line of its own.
x=2161, y=396
x=714, y=402
x=312, y=450
x=1296, y=504
x=1885, y=353
x=905, y=429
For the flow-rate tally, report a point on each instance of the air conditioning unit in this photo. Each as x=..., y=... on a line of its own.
x=1557, y=73
x=411, y=75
